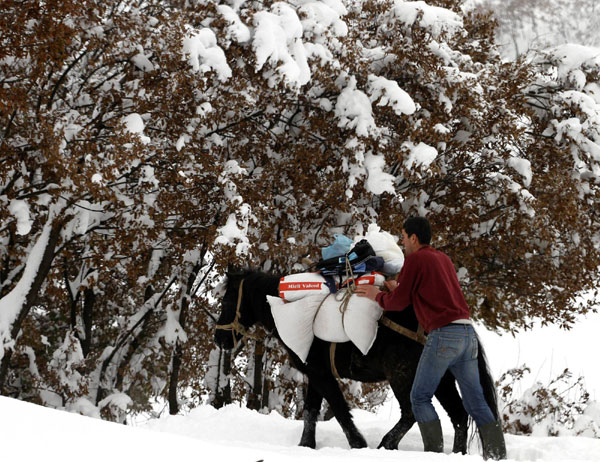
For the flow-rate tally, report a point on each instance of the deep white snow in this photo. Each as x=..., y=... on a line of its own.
x=30, y=432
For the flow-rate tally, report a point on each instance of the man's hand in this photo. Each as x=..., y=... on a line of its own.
x=368, y=291
x=391, y=285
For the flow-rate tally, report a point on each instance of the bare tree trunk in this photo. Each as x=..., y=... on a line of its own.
x=89, y=299
x=265, y=394
x=177, y=354
x=31, y=298
x=174, y=379
x=131, y=345
x=223, y=395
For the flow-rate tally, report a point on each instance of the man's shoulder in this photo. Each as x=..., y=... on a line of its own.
x=427, y=254
x=426, y=251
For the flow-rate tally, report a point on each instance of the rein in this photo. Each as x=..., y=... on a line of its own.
x=236, y=327
x=418, y=336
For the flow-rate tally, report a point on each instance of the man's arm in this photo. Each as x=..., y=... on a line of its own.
x=399, y=297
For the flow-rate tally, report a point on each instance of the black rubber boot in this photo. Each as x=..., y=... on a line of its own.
x=492, y=439
x=431, y=433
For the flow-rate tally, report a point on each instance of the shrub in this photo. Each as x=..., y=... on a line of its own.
x=560, y=408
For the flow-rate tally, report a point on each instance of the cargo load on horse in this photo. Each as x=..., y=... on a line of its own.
x=321, y=304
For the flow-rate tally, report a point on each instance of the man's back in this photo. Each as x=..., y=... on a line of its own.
x=428, y=281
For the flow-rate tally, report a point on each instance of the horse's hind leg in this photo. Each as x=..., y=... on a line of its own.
x=448, y=396
x=401, y=388
x=312, y=407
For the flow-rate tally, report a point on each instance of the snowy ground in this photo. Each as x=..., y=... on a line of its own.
x=29, y=432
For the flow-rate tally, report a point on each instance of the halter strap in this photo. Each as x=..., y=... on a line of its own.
x=236, y=326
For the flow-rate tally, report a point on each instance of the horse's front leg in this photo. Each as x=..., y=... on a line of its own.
x=331, y=392
x=312, y=407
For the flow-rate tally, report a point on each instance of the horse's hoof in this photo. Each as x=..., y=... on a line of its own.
x=459, y=450
x=460, y=440
x=358, y=443
x=307, y=444
x=387, y=445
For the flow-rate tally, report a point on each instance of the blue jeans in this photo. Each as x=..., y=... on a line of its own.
x=453, y=347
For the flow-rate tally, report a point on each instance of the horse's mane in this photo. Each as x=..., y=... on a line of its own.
x=255, y=279
x=243, y=273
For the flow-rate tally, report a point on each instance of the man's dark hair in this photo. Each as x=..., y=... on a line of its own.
x=419, y=226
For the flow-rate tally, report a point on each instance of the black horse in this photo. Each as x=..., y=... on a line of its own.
x=393, y=358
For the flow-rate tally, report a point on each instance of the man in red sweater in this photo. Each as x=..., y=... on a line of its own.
x=429, y=283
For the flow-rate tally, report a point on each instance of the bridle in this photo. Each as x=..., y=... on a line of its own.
x=236, y=327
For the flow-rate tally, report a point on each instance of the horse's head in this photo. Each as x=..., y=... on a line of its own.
x=236, y=314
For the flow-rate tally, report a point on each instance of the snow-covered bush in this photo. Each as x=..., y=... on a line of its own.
x=559, y=408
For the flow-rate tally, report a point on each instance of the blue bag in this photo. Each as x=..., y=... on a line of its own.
x=341, y=246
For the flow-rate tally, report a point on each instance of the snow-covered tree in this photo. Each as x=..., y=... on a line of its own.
x=147, y=145
x=106, y=223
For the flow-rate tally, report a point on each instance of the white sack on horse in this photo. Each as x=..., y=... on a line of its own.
x=360, y=322
x=294, y=325
x=384, y=245
x=328, y=323
x=296, y=286
x=315, y=315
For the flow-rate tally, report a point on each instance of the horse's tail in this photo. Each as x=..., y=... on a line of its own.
x=487, y=381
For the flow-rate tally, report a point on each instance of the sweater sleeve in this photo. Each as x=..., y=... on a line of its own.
x=400, y=298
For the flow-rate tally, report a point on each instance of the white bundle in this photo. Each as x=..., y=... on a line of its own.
x=300, y=321
x=384, y=245
x=328, y=323
x=360, y=321
x=294, y=325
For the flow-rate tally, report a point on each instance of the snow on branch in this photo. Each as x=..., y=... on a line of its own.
x=378, y=181
x=437, y=20
x=421, y=155
x=570, y=58
x=287, y=36
x=353, y=108
x=135, y=124
x=278, y=38
x=20, y=210
x=204, y=54
x=12, y=303
x=389, y=93
x=319, y=17
x=237, y=29
x=234, y=233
